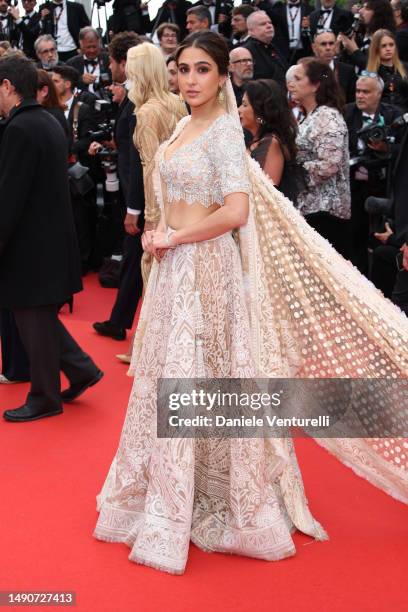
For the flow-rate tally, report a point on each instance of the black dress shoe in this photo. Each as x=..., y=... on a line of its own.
x=25, y=413
x=106, y=328
x=77, y=389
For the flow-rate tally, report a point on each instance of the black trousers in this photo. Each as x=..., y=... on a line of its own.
x=85, y=219
x=130, y=283
x=15, y=364
x=332, y=228
x=384, y=268
x=50, y=349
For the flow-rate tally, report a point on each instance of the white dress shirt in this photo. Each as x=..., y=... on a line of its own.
x=65, y=42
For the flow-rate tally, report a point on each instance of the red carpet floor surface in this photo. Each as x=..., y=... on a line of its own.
x=52, y=469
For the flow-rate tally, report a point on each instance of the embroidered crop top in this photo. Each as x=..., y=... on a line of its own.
x=207, y=169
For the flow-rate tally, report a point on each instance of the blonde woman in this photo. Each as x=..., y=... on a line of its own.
x=158, y=112
x=383, y=59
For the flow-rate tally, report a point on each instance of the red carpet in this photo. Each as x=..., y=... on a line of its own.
x=52, y=470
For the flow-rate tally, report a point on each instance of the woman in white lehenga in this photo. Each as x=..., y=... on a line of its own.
x=281, y=303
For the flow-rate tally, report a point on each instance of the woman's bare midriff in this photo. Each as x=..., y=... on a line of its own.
x=180, y=214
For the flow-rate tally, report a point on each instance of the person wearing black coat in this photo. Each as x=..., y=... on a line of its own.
x=330, y=17
x=93, y=63
x=290, y=37
x=130, y=172
x=27, y=28
x=64, y=20
x=367, y=178
x=39, y=262
x=172, y=11
x=269, y=62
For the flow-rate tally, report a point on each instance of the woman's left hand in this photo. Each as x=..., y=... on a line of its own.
x=161, y=240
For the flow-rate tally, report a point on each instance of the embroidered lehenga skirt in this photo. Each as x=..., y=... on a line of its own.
x=241, y=496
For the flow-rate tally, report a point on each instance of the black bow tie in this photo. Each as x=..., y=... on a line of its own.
x=91, y=62
x=366, y=117
x=325, y=11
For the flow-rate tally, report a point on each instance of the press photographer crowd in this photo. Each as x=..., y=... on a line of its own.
x=322, y=93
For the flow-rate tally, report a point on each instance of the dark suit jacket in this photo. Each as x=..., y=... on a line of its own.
x=76, y=19
x=402, y=42
x=78, y=63
x=130, y=168
x=354, y=121
x=346, y=78
x=30, y=30
x=39, y=259
x=173, y=11
x=268, y=62
x=341, y=20
x=278, y=15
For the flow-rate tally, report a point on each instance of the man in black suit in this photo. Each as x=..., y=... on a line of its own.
x=172, y=11
x=291, y=24
x=131, y=180
x=330, y=17
x=7, y=26
x=80, y=122
x=39, y=264
x=268, y=62
x=93, y=63
x=367, y=178
x=63, y=20
x=27, y=27
x=46, y=51
x=324, y=48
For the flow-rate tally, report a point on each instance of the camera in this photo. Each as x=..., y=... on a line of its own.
x=104, y=132
x=374, y=134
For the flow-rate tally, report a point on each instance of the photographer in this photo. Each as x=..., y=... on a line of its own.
x=374, y=15
x=131, y=181
x=80, y=122
x=93, y=63
x=27, y=27
x=172, y=11
x=390, y=257
x=7, y=26
x=369, y=158
x=127, y=17
x=63, y=20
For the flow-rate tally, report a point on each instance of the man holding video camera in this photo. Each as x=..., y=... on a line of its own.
x=368, y=121
x=131, y=180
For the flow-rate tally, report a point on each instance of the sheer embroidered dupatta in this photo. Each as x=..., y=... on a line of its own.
x=313, y=315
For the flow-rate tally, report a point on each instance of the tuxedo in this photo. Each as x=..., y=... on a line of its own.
x=27, y=31
x=268, y=62
x=86, y=123
x=82, y=65
x=130, y=172
x=7, y=29
x=375, y=185
x=346, y=78
x=341, y=20
x=76, y=19
x=279, y=16
x=39, y=263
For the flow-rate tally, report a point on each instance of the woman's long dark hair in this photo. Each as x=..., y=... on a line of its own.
x=44, y=79
x=383, y=17
x=328, y=92
x=270, y=104
x=213, y=44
